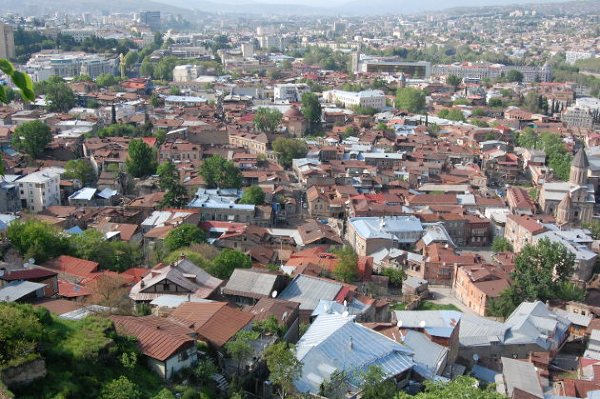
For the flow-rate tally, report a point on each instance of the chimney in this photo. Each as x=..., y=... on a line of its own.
x=351, y=345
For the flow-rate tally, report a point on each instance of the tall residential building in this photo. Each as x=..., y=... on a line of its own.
x=7, y=41
x=41, y=189
x=151, y=19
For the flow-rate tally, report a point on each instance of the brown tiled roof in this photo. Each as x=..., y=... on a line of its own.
x=73, y=266
x=195, y=314
x=281, y=309
x=28, y=274
x=157, y=337
x=224, y=325
x=59, y=306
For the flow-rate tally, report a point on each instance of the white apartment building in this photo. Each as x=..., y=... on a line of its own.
x=185, y=73
x=291, y=92
x=479, y=70
x=41, y=189
x=79, y=34
x=578, y=117
x=573, y=56
x=366, y=99
x=41, y=66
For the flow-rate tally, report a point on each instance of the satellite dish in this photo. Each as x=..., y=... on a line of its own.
x=476, y=357
x=422, y=323
x=345, y=314
x=345, y=303
x=399, y=323
x=31, y=261
x=274, y=294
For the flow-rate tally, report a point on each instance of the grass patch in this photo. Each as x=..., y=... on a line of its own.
x=84, y=355
x=428, y=305
x=399, y=306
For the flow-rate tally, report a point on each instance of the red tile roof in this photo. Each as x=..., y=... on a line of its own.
x=71, y=290
x=73, y=266
x=28, y=274
x=157, y=337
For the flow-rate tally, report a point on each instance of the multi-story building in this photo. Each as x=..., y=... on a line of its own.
x=151, y=19
x=365, y=99
x=573, y=56
x=180, y=150
x=519, y=230
x=371, y=234
x=291, y=92
x=493, y=71
x=79, y=34
x=41, y=189
x=185, y=73
x=7, y=41
x=41, y=66
x=578, y=117
x=415, y=70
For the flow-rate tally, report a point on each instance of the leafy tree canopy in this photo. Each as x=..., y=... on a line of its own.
x=410, y=99
x=183, y=236
x=141, y=161
x=219, y=172
x=253, y=195
x=32, y=137
x=289, y=149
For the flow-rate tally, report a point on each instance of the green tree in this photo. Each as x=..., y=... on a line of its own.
x=168, y=175
x=461, y=387
x=561, y=166
x=219, y=172
x=120, y=388
x=514, y=76
x=131, y=58
x=253, y=195
x=176, y=195
x=501, y=244
x=284, y=367
x=147, y=68
x=311, y=109
x=288, y=149
x=411, y=100
x=542, y=272
x=453, y=81
x=495, y=102
x=141, y=160
x=527, y=138
x=184, y=236
x=395, y=276
x=346, y=269
x=376, y=386
x=227, y=261
x=106, y=80
x=239, y=347
x=37, y=240
x=81, y=170
x=267, y=120
x=531, y=102
x=112, y=255
x=452, y=114
x=32, y=137
x=59, y=96
x=164, y=394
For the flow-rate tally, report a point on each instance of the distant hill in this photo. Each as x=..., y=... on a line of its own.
x=40, y=7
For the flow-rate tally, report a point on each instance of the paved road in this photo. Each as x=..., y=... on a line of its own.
x=443, y=296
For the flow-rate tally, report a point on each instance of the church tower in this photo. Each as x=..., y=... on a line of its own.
x=563, y=211
x=579, y=169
